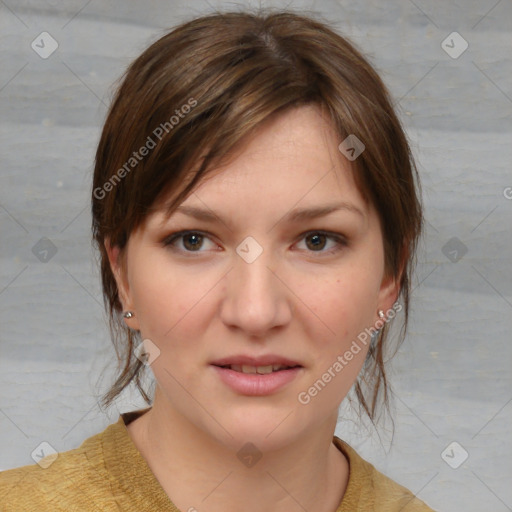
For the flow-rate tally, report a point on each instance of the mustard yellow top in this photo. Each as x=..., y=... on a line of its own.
x=107, y=473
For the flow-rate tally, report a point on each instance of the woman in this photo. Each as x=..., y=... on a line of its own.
x=255, y=207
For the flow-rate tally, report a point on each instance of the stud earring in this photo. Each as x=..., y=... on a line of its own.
x=381, y=314
x=128, y=314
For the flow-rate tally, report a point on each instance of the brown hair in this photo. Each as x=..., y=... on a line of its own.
x=193, y=95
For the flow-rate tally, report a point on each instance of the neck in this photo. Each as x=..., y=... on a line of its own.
x=199, y=473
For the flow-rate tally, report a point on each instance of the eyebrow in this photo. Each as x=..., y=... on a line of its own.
x=294, y=216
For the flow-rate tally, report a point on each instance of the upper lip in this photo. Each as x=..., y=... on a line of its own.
x=265, y=360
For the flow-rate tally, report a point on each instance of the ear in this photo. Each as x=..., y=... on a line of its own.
x=117, y=262
x=389, y=292
x=390, y=286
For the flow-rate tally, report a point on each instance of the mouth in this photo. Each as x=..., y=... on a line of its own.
x=261, y=370
x=257, y=376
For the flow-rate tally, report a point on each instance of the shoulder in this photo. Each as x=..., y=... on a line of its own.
x=71, y=480
x=369, y=489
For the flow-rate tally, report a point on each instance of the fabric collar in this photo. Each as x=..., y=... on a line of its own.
x=133, y=473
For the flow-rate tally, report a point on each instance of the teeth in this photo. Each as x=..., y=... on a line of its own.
x=262, y=370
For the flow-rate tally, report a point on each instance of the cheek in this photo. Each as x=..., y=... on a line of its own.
x=344, y=304
x=168, y=300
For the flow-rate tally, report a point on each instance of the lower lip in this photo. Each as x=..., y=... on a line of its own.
x=255, y=384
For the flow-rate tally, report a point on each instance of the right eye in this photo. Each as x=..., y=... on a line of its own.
x=190, y=241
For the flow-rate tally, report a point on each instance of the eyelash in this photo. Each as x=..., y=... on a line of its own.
x=170, y=239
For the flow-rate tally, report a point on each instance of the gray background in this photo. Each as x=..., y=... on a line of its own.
x=451, y=377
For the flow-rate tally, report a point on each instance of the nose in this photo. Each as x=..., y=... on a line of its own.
x=256, y=300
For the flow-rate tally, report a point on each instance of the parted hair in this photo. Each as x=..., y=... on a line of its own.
x=195, y=93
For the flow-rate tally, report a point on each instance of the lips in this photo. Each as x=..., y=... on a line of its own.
x=264, y=364
x=262, y=370
x=256, y=375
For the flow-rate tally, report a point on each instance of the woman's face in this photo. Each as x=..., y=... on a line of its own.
x=259, y=284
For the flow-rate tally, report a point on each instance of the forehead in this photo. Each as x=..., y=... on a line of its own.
x=291, y=160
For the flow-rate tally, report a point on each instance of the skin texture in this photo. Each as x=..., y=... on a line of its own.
x=297, y=299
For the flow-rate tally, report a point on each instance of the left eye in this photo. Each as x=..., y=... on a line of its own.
x=192, y=241
x=317, y=240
